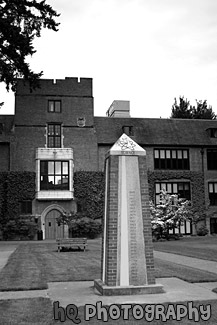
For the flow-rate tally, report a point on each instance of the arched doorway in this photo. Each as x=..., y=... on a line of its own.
x=52, y=229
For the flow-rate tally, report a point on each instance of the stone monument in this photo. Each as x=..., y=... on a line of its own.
x=127, y=251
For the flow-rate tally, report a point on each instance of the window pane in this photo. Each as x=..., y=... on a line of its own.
x=186, y=186
x=51, y=106
x=180, y=186
x=163, y=186
x=185, y=154
x=173, y=154
x=162, y=154
x=210, y=188
x=51, y=167
x=57, y=142
x=50, y=142
x=157, y=188
x=156, y=154
x=169, y=188
x=175, y=189
x=65, y=167
x=179, y=154
x=58, y=167
x=51, y=180
x=65, y=183
x=43, y=167
x=215, y=187
x=167, y=154
x=57, y=180
x=57, y=106
x=65, y=180
x=51, y=129
x=157, y=199
x=57, y=129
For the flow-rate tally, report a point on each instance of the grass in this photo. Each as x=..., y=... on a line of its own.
x=199, y=247
x=33, y=264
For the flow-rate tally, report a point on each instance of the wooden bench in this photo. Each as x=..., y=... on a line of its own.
x=71, y=242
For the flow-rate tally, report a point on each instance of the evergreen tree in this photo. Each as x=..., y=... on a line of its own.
x=183, y=109
x=20, y=22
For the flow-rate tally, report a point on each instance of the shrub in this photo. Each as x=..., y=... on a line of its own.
x=202, y=230
x=85, y=227
x=20, y=229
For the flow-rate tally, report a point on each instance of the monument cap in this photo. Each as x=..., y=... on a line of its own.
x=126, y=146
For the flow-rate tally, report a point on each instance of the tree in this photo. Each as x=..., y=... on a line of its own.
x=170, y=213
x=183, y=109
x=202, y=111
x=20, y=22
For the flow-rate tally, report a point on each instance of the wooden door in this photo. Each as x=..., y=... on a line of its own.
x=52, y=229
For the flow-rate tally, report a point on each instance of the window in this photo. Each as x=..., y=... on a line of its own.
x=180, y=188
x=171, y=159
x=212, y=193
x=212, y=159
x=212, y=132
x=54, y=106
x=128, y=130
x=26, y=207
x=54, y=135
x=54, y=175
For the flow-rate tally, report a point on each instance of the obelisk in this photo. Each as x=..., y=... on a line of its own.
x=127, y=265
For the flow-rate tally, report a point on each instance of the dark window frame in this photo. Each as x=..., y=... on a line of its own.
x=213, y=194
x=212, y=159
x=170, y=159
x=55, y=106
x=45, y=185
x=54, y=135
x=128, y=130
x=182, y=190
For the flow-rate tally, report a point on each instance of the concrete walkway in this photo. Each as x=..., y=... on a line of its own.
x=196, y=263
x=79, y=293
x=5, y=252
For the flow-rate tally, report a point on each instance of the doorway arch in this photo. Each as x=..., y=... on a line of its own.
x=49, y=226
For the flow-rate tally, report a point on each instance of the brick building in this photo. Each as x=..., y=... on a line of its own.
x=54, y=132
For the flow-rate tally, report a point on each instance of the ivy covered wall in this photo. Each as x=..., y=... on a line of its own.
x=89, y=190
x=15, y=187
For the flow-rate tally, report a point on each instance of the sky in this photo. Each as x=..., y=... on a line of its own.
x=145, y=51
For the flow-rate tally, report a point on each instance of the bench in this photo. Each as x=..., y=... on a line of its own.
x=71, y=242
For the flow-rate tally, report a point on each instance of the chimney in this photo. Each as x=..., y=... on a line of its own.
x=119, y=108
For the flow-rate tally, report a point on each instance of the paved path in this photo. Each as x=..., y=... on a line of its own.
x=5, y=252
x=205, y=265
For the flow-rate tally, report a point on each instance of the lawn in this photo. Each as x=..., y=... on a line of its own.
x=33, y=264
x=199, y=247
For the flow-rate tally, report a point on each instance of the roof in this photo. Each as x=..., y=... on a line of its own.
x=157, y=131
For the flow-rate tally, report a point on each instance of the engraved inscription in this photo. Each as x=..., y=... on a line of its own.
x=133, y=232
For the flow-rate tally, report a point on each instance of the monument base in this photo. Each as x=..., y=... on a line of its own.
x=105, y=290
